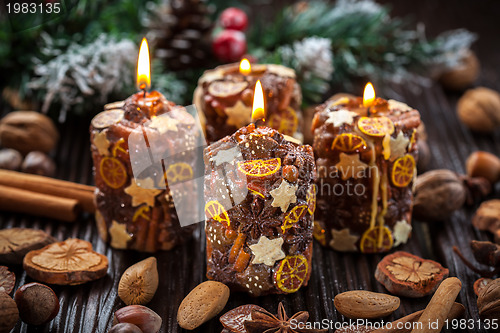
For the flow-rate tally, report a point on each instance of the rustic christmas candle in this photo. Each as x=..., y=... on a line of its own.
x=259, y=211
x=224, y=95
x=138, y=212
x=366, y=153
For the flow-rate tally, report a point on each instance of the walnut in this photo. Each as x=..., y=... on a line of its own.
x=463, y=75
x=488, y=301
x=483, y=164
x=479, y=109
x=27, y=131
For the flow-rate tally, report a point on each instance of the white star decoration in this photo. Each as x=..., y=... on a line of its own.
x=144, y=194
x=350, y=166
x=340, y=117
x=402, y=231
x=342, y=240
x=284, y=195
x=238, y=115
x=227, y=156
x=119, y=235
x=398, y=146
x=101, y=142
x=164, y=123
x=267, y=251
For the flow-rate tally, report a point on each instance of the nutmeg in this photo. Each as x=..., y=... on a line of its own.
x=37, y=303
x=483, y=164
x=9, y=314
x=479, y=109
x=463, y=75
x=139, y=282
x=27, y=131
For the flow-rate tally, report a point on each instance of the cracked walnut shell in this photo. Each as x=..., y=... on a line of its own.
x=479, y=109
x=70, y=262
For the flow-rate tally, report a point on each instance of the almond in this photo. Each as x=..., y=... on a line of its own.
x=361, y=304
x=202, y=304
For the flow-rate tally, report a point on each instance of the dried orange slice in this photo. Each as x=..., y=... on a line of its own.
x=142, y=212
x=113, y=172
x=376, y=239
x=214, y=210
x=226, y=88
x=376, y=126
x=403, y=170
x=319, y=233
x=260, y=168
x=348, y=142
x=291, y=273
x=293, y=217
x=107, y=118
x=311, y=199
x=286, y=123
x=178, y=172
x=119, y=147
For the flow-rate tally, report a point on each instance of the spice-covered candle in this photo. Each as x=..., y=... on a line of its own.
x=136, y=210
x=365, y=154
x=259, y=211
x=225, y=94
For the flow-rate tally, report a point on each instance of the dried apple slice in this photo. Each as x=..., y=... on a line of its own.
x=16, y=242
x=70, y=262
x=226, y=88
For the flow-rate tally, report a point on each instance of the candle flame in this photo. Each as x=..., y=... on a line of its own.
x=143, y=67
x=368, y=95
x=245, y=67
x=258, y=109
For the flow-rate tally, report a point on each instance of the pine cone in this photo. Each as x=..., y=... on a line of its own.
x=179, y=32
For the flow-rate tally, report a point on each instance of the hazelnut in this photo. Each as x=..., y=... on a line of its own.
x=146, y=319
x=9, y=314
x=125, y=328
x=38, y=163
x=37, y=303
x=483, y=164
x=139, y=282
x=463, y=75
x=479, y=109
x=290, y=173
x=27, y=131
x=10, y=159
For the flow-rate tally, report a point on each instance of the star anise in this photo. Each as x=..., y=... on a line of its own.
x=219, y=269
x=259, y=221
x=265, y=322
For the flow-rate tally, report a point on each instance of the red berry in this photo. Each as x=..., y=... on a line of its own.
x=233, y=18
x=229, y=45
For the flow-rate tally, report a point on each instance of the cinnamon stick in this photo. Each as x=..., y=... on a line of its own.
x=22, y=201
x=434, y=315
x=400, y=326
x=84, y=194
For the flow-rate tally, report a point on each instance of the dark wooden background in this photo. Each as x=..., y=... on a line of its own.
x=90, y=307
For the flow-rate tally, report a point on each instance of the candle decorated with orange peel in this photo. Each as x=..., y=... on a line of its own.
x=225, y=95
x=260, y=201
x=136, y=211
x=366, y=152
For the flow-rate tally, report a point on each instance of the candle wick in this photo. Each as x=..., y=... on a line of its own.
x=144, y=91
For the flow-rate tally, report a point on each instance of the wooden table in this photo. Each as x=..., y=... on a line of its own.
x=90, y=307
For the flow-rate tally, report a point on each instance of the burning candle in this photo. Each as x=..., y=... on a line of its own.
x=366, y=149
x=260, y=200
x=225, y=94
x=138, y=212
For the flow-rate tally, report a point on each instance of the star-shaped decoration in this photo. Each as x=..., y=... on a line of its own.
x=399, y=106
x=398, y=146
x=145, y=194
x=343, y=241
x=119, y=235
x=340, y=117
x=401, y=233
x=284, y=195
x=238, y=115
x=350, y=166
x=267, y=251
x=102, y=143
x=164, y=123
x=226, y=156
